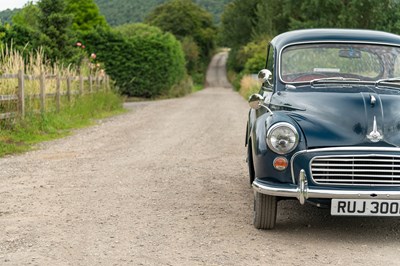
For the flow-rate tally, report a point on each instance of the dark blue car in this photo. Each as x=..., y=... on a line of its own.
x=325, y=126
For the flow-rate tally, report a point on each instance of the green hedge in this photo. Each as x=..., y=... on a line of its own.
x=142, y=65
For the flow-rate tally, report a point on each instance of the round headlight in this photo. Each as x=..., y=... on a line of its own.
x=282, y=138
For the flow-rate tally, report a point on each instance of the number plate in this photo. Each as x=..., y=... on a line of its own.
x=359, y=207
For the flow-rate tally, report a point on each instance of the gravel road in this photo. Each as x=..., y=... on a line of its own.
x=166, y=184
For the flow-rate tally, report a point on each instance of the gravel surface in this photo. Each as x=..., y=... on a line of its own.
x=166, y=184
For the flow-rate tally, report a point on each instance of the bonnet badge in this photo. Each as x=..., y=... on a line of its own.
x=375, y=136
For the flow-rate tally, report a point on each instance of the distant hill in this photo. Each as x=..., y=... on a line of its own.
x=6, y=15
x=118, y=12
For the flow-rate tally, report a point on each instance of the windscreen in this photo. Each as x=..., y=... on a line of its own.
x=366, y=62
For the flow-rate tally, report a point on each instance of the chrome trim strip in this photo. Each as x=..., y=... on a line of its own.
x=353, y=170
x=358, y=181
x=292, y=192
x=356, y=149
x=340, y=182
x=360, y=165
x=324, y=41
x=349, y=175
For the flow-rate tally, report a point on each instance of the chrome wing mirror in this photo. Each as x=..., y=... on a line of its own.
x=265, y=76
x=256, y=101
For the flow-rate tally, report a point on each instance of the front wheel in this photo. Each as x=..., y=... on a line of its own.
x=264, y=211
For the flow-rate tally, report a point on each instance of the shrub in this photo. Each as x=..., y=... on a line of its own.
x=184, y=18
x=142, y=65
x=181, y=89
x=249, y=58
x=192, y=54
x=254, y=64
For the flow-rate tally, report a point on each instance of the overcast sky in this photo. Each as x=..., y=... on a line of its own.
x=11, y=4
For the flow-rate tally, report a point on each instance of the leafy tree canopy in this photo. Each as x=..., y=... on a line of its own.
x=120, y=12
x=244, y=21
x=19, y=37
x=54, y=24
x=367, y=14
x=6, y=15
x=137, y=29
x=86, y=15
x=238, y=22
x=27, y=17
x=184, y=18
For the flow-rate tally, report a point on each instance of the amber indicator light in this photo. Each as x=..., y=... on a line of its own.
x=280, y=163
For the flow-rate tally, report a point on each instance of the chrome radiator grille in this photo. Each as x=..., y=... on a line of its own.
x=375, y=170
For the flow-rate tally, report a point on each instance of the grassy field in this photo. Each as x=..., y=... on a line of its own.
x=20, y=135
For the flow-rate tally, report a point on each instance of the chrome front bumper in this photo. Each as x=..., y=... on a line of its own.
x=302, y=192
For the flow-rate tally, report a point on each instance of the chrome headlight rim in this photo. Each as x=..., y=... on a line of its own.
x=278, y=125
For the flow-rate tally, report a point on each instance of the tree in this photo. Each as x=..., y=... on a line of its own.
x=27, y=17
x=368, y=14
x=85, y=15
x=238, y=22
x=272, y=17
x=20, y=38
x=54, y=24
x=215, y=7
x=24, y=34
x=119, y=12
x=246, y=21
x=134, y=29
x=183, y=18
x=6, y=15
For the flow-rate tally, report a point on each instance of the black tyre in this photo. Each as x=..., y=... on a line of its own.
x=264, y=211
x=250, y=163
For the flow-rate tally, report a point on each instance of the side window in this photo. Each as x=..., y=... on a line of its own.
x=270, y=61
x=396, y=70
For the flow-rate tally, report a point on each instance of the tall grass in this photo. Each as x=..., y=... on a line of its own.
x=35, y=63
x=19, y=134
x=248, y=86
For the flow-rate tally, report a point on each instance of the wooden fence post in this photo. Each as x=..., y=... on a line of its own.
x=90, y=84
x=108, y=82
x=58, y=92
x=21, y=93
x=69, y=88
x=42, y=93
x=97, y=83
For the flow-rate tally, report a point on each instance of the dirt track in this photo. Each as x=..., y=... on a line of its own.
x=166, y=184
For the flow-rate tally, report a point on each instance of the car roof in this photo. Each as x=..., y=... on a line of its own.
x=339, y=35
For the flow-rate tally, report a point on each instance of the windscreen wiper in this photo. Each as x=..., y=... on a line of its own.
x=390, y=80
x=332, y=80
